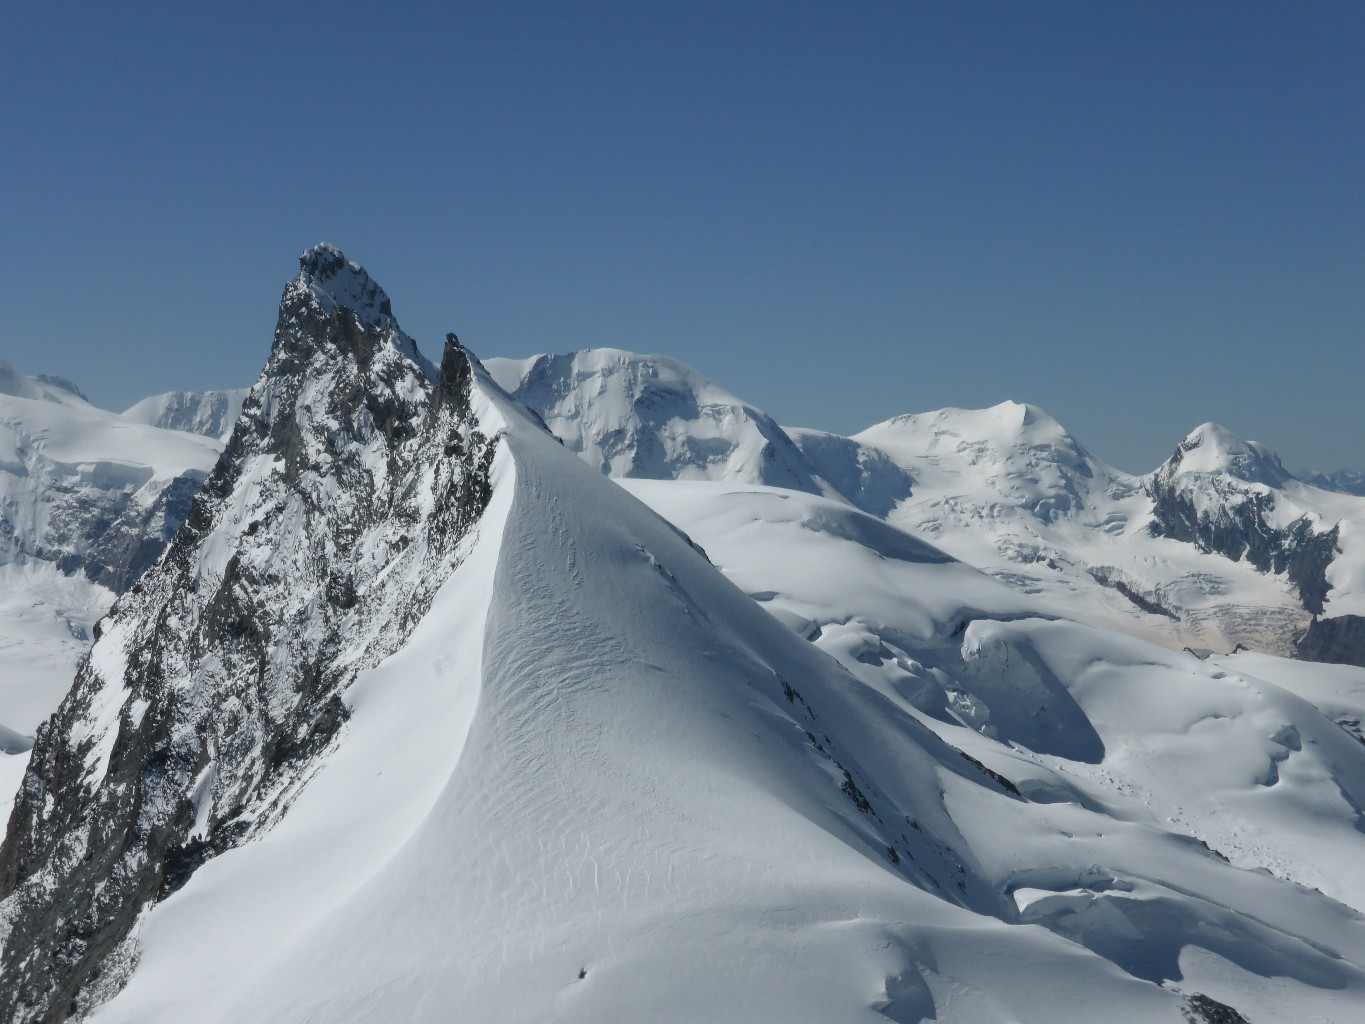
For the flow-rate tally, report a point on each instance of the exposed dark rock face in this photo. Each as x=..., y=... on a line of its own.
x=1200, y=1009
x=1339, y=640
x=1231, y=515
x=343, y=501
x=1107, y=577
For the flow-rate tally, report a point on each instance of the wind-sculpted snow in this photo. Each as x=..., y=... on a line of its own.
x=648, y=800
x=1184, y=818
x=341, y=503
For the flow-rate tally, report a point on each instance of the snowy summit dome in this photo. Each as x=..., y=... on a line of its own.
x=1210, y=448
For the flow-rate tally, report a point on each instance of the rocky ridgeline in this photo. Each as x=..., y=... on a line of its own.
x=338, y=508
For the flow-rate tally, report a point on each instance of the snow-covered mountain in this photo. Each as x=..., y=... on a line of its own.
x=88, y=501
x=1347, y=481
x=1219, y=547
x=448, y=725
x=86, y=489
x=1010, y=491
x=653, y=418
x=211, y=413
x=38, y=389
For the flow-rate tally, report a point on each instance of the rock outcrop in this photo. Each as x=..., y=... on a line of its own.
x=340, y=505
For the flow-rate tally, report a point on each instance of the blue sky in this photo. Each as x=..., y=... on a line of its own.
x=1139, y=217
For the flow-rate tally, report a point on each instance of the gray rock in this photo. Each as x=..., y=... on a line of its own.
x=316, y=545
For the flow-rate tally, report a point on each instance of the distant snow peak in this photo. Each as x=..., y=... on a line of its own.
x=654, y=418
x=1343, y=481
x=61, y=383
x=43, y=388
x=209, y=413
x=12, y=382
x=1210, y=448
x=1228, y=496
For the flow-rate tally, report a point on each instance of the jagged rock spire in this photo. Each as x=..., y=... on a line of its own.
x=317, y=544
x=334, y=301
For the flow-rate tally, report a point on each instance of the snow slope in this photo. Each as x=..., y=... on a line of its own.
x=1258, y=757
x=537, y=844
x=423, y=718
x=211, y=413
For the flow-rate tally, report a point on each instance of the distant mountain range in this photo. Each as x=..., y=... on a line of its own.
x=576, y=688
x=1347, y=481
x=1217, y=548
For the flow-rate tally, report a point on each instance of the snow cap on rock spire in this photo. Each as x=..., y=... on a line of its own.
x=335, y=281
x=1210, y=448
x=328, y=282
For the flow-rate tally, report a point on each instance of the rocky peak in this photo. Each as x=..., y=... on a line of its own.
x=1222, y=494
x=332, y=289
x=337, y=510
x=333, y=281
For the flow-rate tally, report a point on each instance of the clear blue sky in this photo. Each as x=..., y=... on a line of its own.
x=1138, y=216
